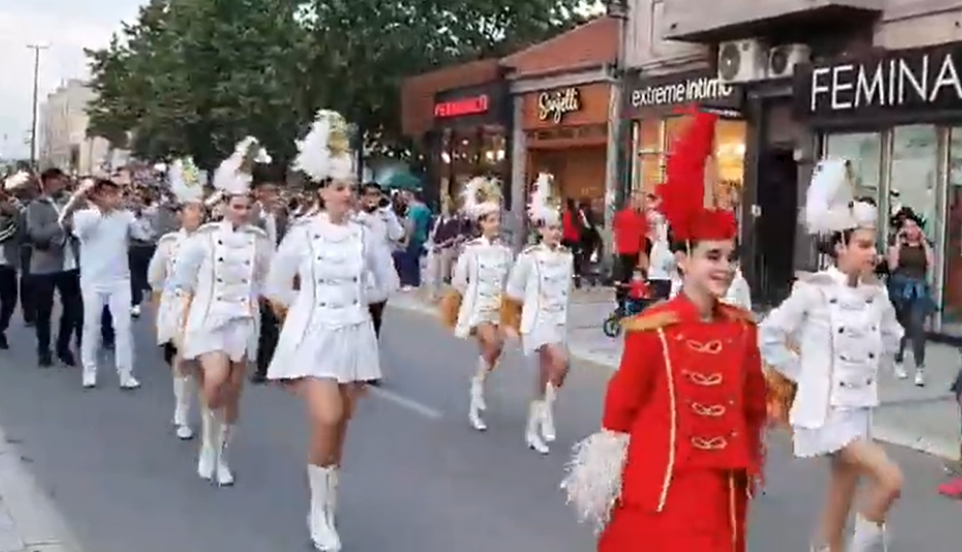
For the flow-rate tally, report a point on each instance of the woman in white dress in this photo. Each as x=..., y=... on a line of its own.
x=327, y=348
x=478, y=286
x=830, y=338
x=536, y=306
x=222, y=266
x=186, y=185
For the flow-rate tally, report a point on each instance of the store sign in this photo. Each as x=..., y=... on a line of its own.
x=475, y=105
x=553, y=106
x=669, y=92
x=897, y=81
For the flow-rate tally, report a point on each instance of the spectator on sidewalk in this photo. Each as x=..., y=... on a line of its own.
x=419, y=222
x=630, y=227
x=910, y=261
x=571, y=233
x=444, y=238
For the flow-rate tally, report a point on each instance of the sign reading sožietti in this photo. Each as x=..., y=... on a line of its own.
x=553, y=106
x=671, y=91
x=896, y=81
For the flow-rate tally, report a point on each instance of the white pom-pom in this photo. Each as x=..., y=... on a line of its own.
x=864, y=214
x=593, y=481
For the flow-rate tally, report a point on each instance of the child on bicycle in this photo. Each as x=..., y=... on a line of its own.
x=639, y=294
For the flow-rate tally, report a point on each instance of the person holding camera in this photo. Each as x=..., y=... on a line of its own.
x=910, y=260
x=54, y=266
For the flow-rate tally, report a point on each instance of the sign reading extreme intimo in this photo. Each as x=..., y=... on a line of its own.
x=906, y=80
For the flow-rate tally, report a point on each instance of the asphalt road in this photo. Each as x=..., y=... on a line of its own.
x=417, y=479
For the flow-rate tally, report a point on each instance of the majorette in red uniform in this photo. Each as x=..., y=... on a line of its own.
x=673, y=467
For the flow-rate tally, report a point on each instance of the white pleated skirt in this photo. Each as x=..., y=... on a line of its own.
x=542, y=334
x=345, y=354
x=843, y=427
x=237, y=338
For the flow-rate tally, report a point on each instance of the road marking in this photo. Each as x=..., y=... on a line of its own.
x=406, y=403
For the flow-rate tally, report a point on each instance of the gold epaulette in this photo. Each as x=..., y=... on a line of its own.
x=648, y=321
x=511, y=313
x=737, y=313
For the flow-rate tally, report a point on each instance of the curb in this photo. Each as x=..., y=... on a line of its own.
x=891, y=435
x=26, y=508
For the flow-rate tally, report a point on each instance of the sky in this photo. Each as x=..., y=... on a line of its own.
x=67, y=26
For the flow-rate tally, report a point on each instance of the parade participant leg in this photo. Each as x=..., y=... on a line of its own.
x=118, y=303
x=552, y=369
x=490, y=345
x=94, y=302
x=184, y=389
x=222, y=381
x=377, y=314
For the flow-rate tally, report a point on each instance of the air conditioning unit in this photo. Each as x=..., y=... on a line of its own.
x=742, y=61
x=783, y=59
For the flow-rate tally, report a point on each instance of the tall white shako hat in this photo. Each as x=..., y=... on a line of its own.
x=233, y=176
x=186, y=182
x=325, y=152
x=830, y=204
x=481, y=197
x=545, y=205
x=16, y=181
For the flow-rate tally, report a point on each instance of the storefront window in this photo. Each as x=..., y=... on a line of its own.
x=915, y=172
x=864, y=151
x=653, y=143
x=952, y=282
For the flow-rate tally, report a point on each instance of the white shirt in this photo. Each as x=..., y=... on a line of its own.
x=103, y=245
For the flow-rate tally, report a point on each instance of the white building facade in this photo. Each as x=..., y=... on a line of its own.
x=63, y=123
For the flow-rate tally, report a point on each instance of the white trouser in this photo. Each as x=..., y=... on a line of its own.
x=116, y=297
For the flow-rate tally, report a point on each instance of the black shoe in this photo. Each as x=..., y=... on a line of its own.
x=4, y=344
x=374, y=383
x=67, y=358
x=45, y=360
x=258, y=378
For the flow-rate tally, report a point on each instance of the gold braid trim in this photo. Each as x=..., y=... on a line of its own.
x=645, y=322
x=279, y=310
x=511, y=313
x=448, y=308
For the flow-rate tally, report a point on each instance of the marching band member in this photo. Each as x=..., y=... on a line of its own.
x=328, y=347
x=103, y=230
x=386, y=230
x=223, y=267
x=843, y=327
x=681, y=442
x=473, y=306
x=187, y=188
x=536, y=305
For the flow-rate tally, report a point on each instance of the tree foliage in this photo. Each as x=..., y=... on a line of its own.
x=194, y=76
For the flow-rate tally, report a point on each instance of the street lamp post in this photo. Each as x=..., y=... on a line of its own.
x=37, y=48
x=618, y=181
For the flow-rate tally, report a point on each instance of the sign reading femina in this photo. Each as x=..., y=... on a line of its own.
x=900, y=80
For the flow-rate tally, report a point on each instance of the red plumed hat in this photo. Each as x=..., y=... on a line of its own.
x=683, y=199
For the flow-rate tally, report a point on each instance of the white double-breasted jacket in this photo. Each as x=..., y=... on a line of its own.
x=479, y=276
x=336, y=265
x=171, y=301
x=831, y=339
x=223, y=269
x=384, y=230
x=541, y=281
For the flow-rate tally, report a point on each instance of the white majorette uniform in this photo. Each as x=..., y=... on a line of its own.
x=540, y=283
x=739, y=293
x=223, y=269
x=327, y=331
x=171, y=303
x=479, y=278
x=830, y=338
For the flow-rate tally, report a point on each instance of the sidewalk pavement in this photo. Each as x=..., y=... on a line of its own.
x=926, y=419
x=29, y=521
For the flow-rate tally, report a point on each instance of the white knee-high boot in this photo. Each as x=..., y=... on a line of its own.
x=547, y=414
x=224, y=474
x=320, y=520
x=207, y=458
x=478, y=404
x=532, y=430
x=183, y=395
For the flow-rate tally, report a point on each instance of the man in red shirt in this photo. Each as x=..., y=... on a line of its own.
x=630, y=226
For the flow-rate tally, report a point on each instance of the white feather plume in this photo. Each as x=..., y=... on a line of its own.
x=543, y=206
x=16, y=180
x=481, y=197
x=185, y=180
x=594, y=476
x=830, y=204
x=232, y=177
x=317, y=158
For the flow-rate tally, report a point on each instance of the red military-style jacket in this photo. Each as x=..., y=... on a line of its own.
x=691, y=395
